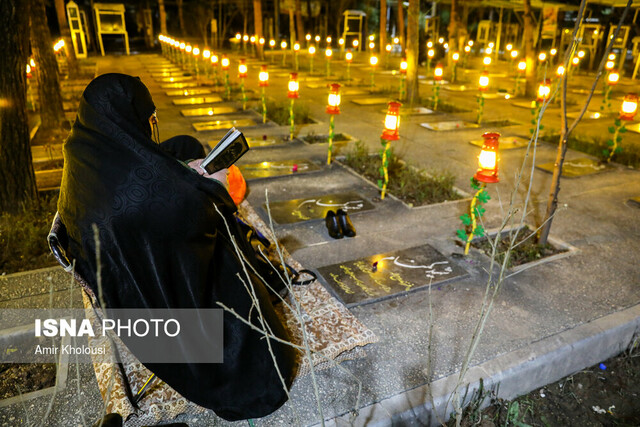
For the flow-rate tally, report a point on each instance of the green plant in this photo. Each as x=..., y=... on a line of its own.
x=596, y=146
x=514, y=418
x=476, y=211
x=279, y=113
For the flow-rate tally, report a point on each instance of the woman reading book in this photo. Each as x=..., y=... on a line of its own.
x=166, y=233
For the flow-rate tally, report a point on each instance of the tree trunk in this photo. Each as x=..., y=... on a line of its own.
x=530, y=56
x=413, y=49
x=300, y=24
x=17, y=179
x=180, y=17
x=383, y=27
x=453, y=32
x=163, y=17
x=401, y=26
x=292, y=29
x=257, y=18
x=72, y=61
x=51, y=112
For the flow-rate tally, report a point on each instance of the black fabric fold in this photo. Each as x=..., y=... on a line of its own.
x=163, y=244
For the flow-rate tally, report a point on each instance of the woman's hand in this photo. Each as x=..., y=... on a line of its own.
x=220, y=176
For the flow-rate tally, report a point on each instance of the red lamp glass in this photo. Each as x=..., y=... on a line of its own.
x=629, y=107
x=613, y=77
x=544, y=90
x=403, y=66
x=225, y=63
x=242, y=69
x=437, y=73
x=483, y=82
x=263, y=76
x=293, y=86
x=333, y=103
x=488, y=159
x=348, y=57
x=392, y=122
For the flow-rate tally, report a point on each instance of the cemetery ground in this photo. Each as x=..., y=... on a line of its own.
x=550, y=319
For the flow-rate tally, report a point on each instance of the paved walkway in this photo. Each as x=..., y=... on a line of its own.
x=548, y=321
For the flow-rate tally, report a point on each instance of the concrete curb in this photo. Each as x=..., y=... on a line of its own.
x=510, y=375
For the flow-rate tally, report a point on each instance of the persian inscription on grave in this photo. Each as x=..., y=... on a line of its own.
x=291, y=211
x=381, y=276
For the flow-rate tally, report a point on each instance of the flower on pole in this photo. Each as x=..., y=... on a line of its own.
x=390, y=133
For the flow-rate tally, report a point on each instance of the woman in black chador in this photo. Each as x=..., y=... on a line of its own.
x=163, y=244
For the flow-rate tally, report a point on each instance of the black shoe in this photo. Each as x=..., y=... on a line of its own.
x=345, y=224
x=331, y=221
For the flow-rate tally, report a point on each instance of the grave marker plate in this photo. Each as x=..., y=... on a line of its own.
x=175, y=79
x=312, y=79
x=430, y=82
x=222, y=124
x=577, y=167
x=506, y=142
x=449, y=126
x=188, y=92
x=383, y=276
x=211, y=111
x=316, y=85
x=459, y=88
x=524, y=104
x=167, y=74
x=370, y=101
x=260, y=142
x=299, y=210
x=198, y=100
x=272, y=169
x=350, y=92
x=633, y=127
x=179, y=85
x=591, y=115
x=415, y=111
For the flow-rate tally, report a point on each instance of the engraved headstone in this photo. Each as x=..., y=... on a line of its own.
x=222, y=124
x=189, y=92
x=386, y=275
x=198, y=100
x=210, y=111
x=450, y=125
x=299, y=210
x=281, y=168
x=575, y=168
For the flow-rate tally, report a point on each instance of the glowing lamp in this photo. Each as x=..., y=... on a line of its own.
x=581, y=54
x=373, y=61
x=261, y=41
x=467, y=48
x=560, y=71
x=196, y=51
x=225, y=63
x=544, y=90
x=283, y=45
x=349, y=57
x=356, y=43
x=307, y=37
x=609, y=65
x=242, y=69
x=509, y=47
x=611, y=57
x=392, y=122
x=431, y=53
x=514, y=54
x=296, y=47
x=486, y=60
x=491, y=45
x=470, y=43
x=553, y=51
x=333, y=103
x=182, y=46
x=328, y=53
x=437, y=72
x=483, y=82
x=403, y=66
x=446, y=46
x=372, y=45
x=272, y=43
x=429, y=44
x=575, y=61
x=238, y=36
x=263, y=76
x=488, y=159
x=612, y=78
x=293, y=86
x=388, y=48
x=329, y=39
x=28, y=71
x=252, y=39
x=245, y=38
x=455, y=56
x=629, y=107
x=341, y=42
x=542, y=57
x=441, y=40
x=488, y=50
x=371, y=37
x=522, y=66
x=206, y=54
x=317, y=39
x=396, y=40
x=188, y=48
x=312, y=50
x=214, y=59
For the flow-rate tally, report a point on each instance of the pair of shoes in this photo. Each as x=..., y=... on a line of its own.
x=339, y=224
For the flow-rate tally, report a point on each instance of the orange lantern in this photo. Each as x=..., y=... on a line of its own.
x=348, y=57
x=544, y=90
x=333, y=103
x=263, y=76
x=483, y=82
x=392, y=122
x=629, y=107
x=613, y=77
x=225, y=63
x=437, y=73
x=293, y=86
x=242, y=69
x=488, y=159
x=403, y=66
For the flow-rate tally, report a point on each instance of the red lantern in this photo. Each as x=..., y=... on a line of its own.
x=629, y=107
x=403, y=66
x=483, y=82
x=225, y=63
x=333, y=104
x=293, y=86
x=437, y=73
x=544, y=90
x=263, y=76
x=392, y=122
x=612, y=78
x=488, y=159
x=242, y=69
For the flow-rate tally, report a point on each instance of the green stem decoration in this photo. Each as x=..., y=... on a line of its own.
x=311, y=65
x=436, y=95
x=384, y=168
x=348, y=71
x=284, y=58
x=614, y=148
x=215, y=74
x=606, y=100
x=264, y=107
x=476, y=211
x=330, y=139
x=291, y=121
x=403, y=81
x=244, y=95
x=480, y=100
x=454, y=72
x=372, y=79
x=516, y=90
x=195, y=64
x=297, y=63
x=227, y=85
x=535, y=112
x=328, y=68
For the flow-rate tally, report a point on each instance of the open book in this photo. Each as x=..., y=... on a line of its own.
x=231, y=147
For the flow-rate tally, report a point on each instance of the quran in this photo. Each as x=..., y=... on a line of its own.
x=231, y=147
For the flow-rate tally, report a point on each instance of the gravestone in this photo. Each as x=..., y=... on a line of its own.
x=387, y=275
x=175, y=79
x=449, y=126
x=281, y=168
x=189, y=92
x=633, y=127
x=430, y=82
x=575, y=168
x=222, y=124
x=370, y=101
x=591, y=115
x=506, y=142
x=264, y=141
x=299, y=210
x=179, y=85
x=415, y=111
x=198, y=100
x=211, y=111
x=167, y=74
x=459, y=88
x=351, y=92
